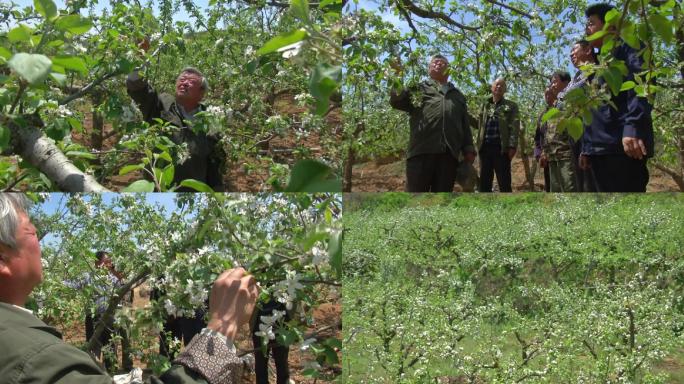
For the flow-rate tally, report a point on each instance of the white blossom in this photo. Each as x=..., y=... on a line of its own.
x=170, y=307
x=249, y=51
x=265, y=331
x=307, y=343
x=215, y=110
x=63, y=111
x=291, y=50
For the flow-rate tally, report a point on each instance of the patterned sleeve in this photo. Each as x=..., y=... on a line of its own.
x=214, y=357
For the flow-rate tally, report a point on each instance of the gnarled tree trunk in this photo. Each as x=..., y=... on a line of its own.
x=36, y=148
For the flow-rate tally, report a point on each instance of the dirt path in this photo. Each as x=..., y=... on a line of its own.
x=384, y=175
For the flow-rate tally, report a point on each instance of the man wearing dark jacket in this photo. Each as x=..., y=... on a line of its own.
x=498, y=127
x=205, y=155
x=33, y=352
x=618, y=142
x=439, y=130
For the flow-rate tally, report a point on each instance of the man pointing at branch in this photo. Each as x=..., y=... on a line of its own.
x=33, y=352
x=439, y=130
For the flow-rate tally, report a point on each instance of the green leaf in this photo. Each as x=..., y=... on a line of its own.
x=331, y=356
x=75, y=24
x=282, y=40
x=81, y=154
x=6, y=53
x=5, y=135
x=20, y=33
x=167, y=175
x=31, y=67
x=629, y=35
x=300, y=9
x=74, y=63
x=597, y=35
x=164, y=155
x=75, y=124
x=627, y=85
x=612, y=16
x=130, y=168
x=613, y=77
x=59, y=78
x=196, y=185
x=46, y=8
x=550, y=114
x=335, y=252
x=140, y=186
x=662, y=26
x=325, y=79
x=573, y=125
x=312, y=176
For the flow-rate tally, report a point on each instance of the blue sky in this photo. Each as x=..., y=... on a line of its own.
x=402, y=25
x=56, y=201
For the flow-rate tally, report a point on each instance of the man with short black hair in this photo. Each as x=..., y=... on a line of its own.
x=618, y=142
x=557, y=147
x=440, y=134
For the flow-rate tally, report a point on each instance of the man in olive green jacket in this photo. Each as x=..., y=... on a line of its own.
x=33, y=352
x=498, y=126
x=440, y=133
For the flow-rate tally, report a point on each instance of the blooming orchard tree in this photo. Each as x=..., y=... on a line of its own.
x=59, y=66
x=289, y=242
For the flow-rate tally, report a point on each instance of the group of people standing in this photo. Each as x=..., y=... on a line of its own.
x=610, y=156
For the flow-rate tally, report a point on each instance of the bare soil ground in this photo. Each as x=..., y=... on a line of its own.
x=327, y=315
x=388, y=174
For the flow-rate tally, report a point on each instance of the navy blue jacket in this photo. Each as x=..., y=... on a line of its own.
x=631, y=119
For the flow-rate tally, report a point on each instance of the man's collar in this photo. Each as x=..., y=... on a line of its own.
x=23, y=309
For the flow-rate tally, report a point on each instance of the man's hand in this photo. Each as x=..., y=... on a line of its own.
x=584, y=162
x=634, y=147
x=144, y=45
x=543, y=160
x=469, y=157
x=511, y=153
x=232, y=301
x=395, y=63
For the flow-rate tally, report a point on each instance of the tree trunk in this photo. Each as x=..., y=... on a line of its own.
x=348, y=169
x=526, y=161
x=41, y=152
x=351, y=158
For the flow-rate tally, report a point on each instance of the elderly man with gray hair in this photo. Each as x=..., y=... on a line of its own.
x=33, y=352
x=205, y=158
x=440, y=133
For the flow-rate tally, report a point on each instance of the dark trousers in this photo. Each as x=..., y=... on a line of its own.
x=280, y=353
x=431, y=173
x=181, y=328
x=492, y=161
x=618, y=173
x=104, y=339
x=547, y=179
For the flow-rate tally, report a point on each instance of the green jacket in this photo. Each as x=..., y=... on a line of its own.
x=33, y=353
x=438, y=120
x=509, y=122
x=557, y=145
